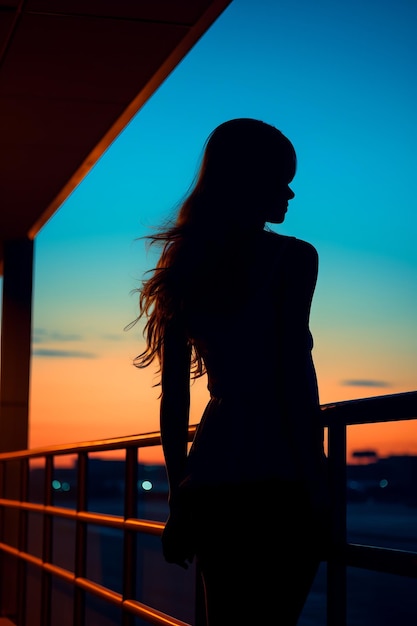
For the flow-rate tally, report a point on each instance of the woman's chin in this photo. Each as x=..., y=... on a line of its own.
x=277, y=219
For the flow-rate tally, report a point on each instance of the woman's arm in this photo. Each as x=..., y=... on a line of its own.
x=175, y=404
x=177, y=543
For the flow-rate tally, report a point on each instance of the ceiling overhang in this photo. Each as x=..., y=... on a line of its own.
x=72, y=75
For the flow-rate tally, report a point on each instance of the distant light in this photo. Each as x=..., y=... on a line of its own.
x=56, y=484
x=146, y=485
x=66, y=487
x=383, y=483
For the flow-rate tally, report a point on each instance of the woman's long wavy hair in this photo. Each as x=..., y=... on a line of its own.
x=205, y=249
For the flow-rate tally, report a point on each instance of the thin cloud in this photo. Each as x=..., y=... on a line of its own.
x=42, y=335
x=112, y=337
x=64, y=354
x=365, y=382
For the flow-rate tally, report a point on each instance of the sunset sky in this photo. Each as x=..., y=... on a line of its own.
x=338, y=78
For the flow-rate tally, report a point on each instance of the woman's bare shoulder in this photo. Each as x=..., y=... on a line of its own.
x=293, y=246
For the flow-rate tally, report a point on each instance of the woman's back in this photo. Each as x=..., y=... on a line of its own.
x=234, y=338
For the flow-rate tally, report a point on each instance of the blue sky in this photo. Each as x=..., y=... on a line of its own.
x=338, y=78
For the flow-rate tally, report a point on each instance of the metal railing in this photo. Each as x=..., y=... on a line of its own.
x=337, y=417
x=128, y=524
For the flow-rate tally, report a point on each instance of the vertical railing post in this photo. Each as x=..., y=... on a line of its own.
x=336, y=565
x=2, y=555
x=46, y=577
x=80, y=539
x=22, y=543
x=129, y=536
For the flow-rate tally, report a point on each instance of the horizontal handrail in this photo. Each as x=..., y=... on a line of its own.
x=389, y=560
x=388, y=408
x=149, y=527
x=117, y=443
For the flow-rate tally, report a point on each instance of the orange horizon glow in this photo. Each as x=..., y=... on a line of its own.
x=79, y=401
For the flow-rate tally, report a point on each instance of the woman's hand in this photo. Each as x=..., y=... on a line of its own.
x=178, y=539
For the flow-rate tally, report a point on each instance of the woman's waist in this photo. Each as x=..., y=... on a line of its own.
x=233, y=387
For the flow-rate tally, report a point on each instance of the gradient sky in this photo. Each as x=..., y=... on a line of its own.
x=338, y=78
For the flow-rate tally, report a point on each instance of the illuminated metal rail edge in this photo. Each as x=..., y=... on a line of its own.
x=336, y=418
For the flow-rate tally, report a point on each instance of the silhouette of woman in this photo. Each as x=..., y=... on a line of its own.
x=231, y=298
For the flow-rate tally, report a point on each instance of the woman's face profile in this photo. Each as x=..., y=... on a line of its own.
x=276, y=202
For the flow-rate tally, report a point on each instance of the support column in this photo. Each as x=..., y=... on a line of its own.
x=16, y=331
